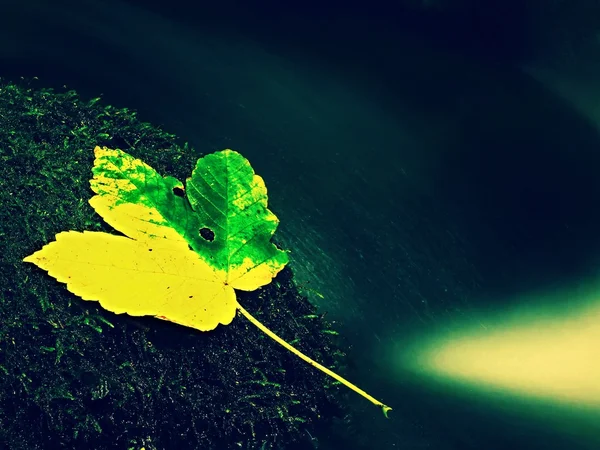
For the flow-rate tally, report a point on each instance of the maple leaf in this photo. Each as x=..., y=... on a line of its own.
x=184, y=250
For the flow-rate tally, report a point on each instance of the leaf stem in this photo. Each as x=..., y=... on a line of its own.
x=312, y=362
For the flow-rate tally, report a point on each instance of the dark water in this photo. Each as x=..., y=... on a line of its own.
x=422, y=177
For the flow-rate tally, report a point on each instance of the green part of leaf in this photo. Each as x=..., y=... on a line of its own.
x=224, y=217
x=230, y=202
x=131, y=181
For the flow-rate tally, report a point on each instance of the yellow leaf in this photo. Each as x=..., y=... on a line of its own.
x=182, y=255
x=139, y=278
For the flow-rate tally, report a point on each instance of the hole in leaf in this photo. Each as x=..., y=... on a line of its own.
x=207, y=234
x=179, y=192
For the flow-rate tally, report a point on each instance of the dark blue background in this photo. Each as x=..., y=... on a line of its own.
x=422, y=176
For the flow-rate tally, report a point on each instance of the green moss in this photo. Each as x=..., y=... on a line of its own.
x=75, y=376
